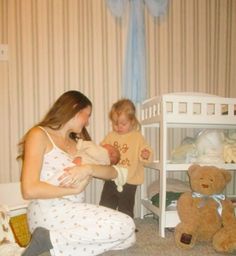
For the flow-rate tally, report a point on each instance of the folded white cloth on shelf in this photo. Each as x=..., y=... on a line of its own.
x=209, y=145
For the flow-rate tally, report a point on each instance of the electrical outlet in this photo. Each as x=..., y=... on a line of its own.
x=3, y=52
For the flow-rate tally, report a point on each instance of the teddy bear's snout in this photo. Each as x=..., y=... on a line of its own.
x=205, y=186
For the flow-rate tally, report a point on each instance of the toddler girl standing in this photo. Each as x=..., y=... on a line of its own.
x=134, y=152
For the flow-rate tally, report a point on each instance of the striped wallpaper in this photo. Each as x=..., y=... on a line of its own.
x=57, y=45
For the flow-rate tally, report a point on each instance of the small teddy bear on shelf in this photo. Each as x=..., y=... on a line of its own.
x=205, y=214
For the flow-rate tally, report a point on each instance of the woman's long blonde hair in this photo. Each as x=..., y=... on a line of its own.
x=65, y=108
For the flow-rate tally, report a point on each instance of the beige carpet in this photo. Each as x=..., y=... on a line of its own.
x=150, y=244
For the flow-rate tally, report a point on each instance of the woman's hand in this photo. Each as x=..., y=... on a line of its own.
x=81, y=185
x=72, y=176
x=75, y=175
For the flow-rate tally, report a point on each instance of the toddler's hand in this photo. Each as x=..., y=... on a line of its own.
x=145, y=154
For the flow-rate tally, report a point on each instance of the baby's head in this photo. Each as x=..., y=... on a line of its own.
x=113, y=152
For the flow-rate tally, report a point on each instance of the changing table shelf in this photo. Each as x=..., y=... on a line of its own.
x=184, y=167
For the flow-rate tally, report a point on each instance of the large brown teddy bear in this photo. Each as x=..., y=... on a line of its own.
x=205, y=215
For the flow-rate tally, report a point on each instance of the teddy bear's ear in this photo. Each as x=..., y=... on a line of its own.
x=227, y=175
x=192, y=168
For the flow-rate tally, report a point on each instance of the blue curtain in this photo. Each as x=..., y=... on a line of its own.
x=134, y=84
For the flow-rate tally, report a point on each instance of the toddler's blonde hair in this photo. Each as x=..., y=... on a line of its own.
x=126, y=107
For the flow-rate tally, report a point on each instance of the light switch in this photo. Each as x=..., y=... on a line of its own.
x=3, y=52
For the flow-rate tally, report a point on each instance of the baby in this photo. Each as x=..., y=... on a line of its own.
x=90, y=153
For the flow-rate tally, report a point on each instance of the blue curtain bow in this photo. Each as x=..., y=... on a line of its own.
x=134, y=75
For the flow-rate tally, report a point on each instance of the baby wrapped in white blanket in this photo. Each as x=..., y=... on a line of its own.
x=90, y=153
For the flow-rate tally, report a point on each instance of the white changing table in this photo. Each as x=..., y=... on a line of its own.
x=182, y=110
